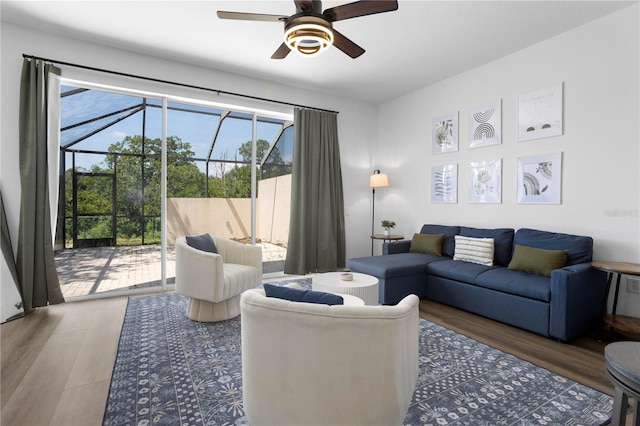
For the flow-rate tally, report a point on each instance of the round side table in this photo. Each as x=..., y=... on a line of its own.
x=622, y=365
x=385, y=238
x=621, y=323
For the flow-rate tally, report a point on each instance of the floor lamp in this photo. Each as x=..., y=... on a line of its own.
x=377, y=180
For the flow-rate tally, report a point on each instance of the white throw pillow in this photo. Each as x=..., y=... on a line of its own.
x=475, y=250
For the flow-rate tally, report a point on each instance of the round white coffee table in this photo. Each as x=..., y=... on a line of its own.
x=350, y=300
x=363, y=286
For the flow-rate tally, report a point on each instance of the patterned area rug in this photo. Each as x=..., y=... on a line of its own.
x=170, y=370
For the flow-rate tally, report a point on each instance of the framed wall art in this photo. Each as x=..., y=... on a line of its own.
x=485, y=124
x=444, y=133
x=540, y=113
x=485, y=181
x=444, y=184
x=540, y=179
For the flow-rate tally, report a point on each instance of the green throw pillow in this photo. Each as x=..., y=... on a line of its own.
x=537, y=261
x=427, y=243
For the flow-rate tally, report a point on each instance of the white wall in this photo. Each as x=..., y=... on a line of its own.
x=598, y=64
x=356, y=121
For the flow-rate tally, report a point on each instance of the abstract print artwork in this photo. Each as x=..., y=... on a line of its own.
x=540, y=179
x=540, y=113
x=485, y=181
x=444, y=184
x=444, y=133
x=485, y=125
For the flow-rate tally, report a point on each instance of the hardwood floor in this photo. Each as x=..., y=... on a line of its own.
x=56, y=362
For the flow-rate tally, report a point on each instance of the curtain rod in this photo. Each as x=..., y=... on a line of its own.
x=157, y=80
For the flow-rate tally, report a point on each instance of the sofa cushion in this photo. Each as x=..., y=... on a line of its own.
x=307, y=296
x=393, y=265
x=502, y=241
x=456, y=270
x=537, y=261
x=518, y=283
x=427, y=243
x=580, y=247
x=449, y=232
x=474, y=250
x=202, y=242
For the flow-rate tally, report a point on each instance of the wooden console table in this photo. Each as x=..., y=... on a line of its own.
x=618, y=322
x=384, y=239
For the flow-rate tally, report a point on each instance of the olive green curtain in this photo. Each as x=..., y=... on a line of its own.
x=316, y=228
x=37, y=276
x=7, y=249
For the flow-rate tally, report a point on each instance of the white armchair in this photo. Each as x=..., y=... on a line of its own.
x=311, y=364
x=214, y=281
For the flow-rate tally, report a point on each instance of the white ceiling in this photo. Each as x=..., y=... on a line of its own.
x=419, y=44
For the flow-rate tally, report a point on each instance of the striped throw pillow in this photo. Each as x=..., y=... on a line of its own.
x=475, y=250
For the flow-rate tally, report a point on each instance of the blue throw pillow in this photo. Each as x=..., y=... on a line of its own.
x=202, y=242
x=308, y=296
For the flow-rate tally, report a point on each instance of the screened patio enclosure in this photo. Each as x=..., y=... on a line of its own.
x=110, y=202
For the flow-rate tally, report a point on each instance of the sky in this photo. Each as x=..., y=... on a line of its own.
x=196, y=128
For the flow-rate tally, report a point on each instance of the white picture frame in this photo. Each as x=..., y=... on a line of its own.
x=540, y=113
x=485, y=124
x=444, y=133
x=485, y=181
x=540, y=179
x=444, y=184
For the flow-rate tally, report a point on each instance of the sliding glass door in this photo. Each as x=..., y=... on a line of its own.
x=112, y=175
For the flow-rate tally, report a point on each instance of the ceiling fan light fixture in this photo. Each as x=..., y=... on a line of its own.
x=308, y=37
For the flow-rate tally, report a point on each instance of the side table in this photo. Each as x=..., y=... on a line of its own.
x=618, y=322
x=384, y=239
x=622, y=365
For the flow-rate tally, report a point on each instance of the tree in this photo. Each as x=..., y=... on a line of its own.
x=273, y=166
x=138, y=176
x=262, y=146
x=237, y=182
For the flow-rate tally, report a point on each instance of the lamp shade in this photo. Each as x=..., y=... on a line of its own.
x=378, y=179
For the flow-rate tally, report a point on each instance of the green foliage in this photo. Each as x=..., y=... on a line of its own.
x=137, y=168
x=262, y=146
x=238, y=182
x=388, y=224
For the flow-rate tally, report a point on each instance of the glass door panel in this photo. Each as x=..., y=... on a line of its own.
x=111, y=206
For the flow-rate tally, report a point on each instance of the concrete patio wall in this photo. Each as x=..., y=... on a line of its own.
x=225, y=217
x=231, y=217
x=273, y=211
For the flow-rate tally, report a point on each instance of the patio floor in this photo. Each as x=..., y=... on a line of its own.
x=89, y=271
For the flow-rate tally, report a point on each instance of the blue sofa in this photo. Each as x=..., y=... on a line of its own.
x=563, y=305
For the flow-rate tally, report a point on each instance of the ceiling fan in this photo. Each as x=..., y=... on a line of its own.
x=310, y=30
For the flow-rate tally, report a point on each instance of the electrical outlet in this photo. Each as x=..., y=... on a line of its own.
x=633, y=285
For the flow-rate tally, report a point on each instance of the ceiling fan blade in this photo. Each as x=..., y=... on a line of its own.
x=242, y=16
x=360, y=8
x=281, y=52
x=346, y=45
